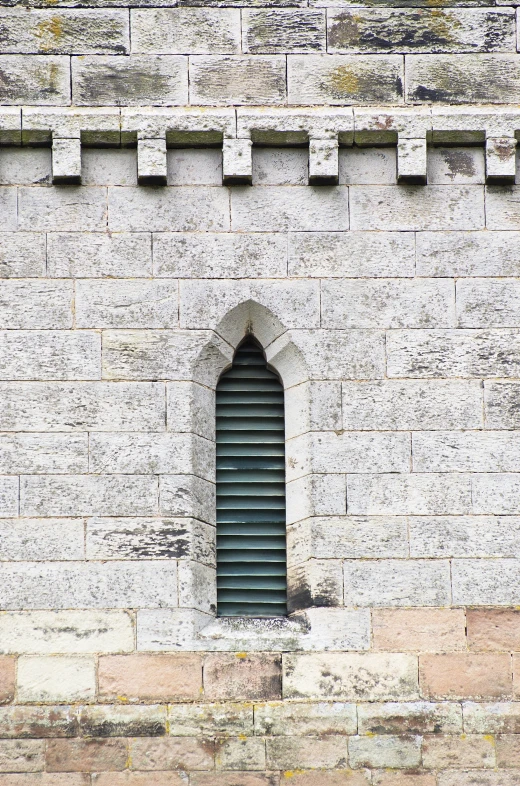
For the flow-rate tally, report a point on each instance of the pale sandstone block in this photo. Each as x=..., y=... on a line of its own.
x=423, y=630
x=150, y=677
x=384, y=751
x=203, y=304
x=193, y=720
x=8, y=198
x=65, y=585
x=36, y=304
x=242, y=677
x=485, y=582
x=350, y=676
x=42, y=453
x=456, y=165
x=123, y=721
x=348, y=537
x=88, y=495
x=46, y=632
x=223, y=255
x=99, y=255
x=402, y=779
x=397, y=583
x=442, y=751
x=488, y=303
x=190, y=408
x=408, y=495
x=345, y=80
x=419, y=717
x=315, y=583
x=62, y=209
x=186, y=495
x=347, y=452
x=390, y=303
x=22, y=755
x=194, y=166
x=502, y=207
x=315, y=495
x=507, y=750
x=465, y=676
x=500, y=160
x=465, y=536
x=229, y=80
x=368, y=166
x=25, y=722
x=128, y=778
x=323, y=161
x=178, y=209
x=151, y=162
x=38, y=79
x=468, y=253
x=108, y=166
x=64, y=31
x=342, y=354
x=238, y=753
x=186, y=31
x=49, y=354
x=9, y=496
x=66, y=161
x=498, y=718
x=403, y=30
x=287, y=753
x=351, y=254
x=417, y=208
x=86, y=755
x=493, y=629
x=237, y=161
x=104, y=80
x=294, y=719
x=172, y=753
x=126, y=304
x=57, y=679
x=41, y=540
x=197, y=586
x=468, y=79
x=7, y=679
x=138, y=538
x=296, y=209
x=88, y=406
x=479, y=451
x=412, y=404
x=453, y=353
x=22, y=255
x=277, y=31
x=501, y=404
x=280, y=166
x=320, y=405
x=411, y=161
x=322, y=777
x=496, y=493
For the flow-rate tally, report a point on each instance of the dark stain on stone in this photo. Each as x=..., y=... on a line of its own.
x=459, y=163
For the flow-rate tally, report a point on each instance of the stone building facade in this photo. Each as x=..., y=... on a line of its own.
x=338, y=180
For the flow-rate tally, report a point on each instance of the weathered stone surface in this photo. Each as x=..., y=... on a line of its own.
x=298, y=209
x=501, y=404
x=293, y=719
x=37, y=539
x=342, y=354
x=25, y=165
x=106, y=80
x=427, y=630
x=280, y=166
x=22, y=255
x=168, y=210
x=343, y=79
x=464, y=536
x=240, y=753
x=126, y=304
x=463, y=675
x=9, y=496
x=8, y=204
x=22, y=755
x=414, y=494
x=7, y=679
x=150, y=677
x=385, y=751
x=468, y=253
x=194, y=166
x=489, y=303
x=187, y=495
x=464, y=751
x=56, y=679
x=62, y=209
x=152, y=453
x=208, y=719
x=98, y=255
x=468, y=79
x=270, y=31
x=172, y=31
x=326, y=752
x=242, y=677
x=151, y=162
x=495, y=493
x=36, y=304
x=172, y=753
x=493, y=629
x=417, y=208
x=64, y=32
x=228, y=80
x=34, y=721
x=347, y=452
x=480, y=451
x=39, y=79
x=350, y=676
x=412, y=404
x=86, y=755
x=36, y=406
x=412, y=31
x=349, y=537
x=368, y=166
x=454, y=353
x=48, y=354
x=452, y=165
x=120, y=721
x=497, y=718
x=485, y=582
x=419, y=717
x=397, y=583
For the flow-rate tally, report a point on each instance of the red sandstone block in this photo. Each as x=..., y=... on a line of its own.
x=330, y=778
x=419, y=630
x=236, y=779
x=150, y=677
x=171, y=753
x=493, y=630
x=446, y=752
x=508, y=750
x=46, y=779
x=465, y=676
x=516, y=675
x=138, y=779
x=242, y=677
x=478, y=778
x=403, y=779
x=86, y=755
x=7, y=679
x=29, y=721
x=22, y=755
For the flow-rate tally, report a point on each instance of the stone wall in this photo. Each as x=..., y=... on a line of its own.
x=339, y=180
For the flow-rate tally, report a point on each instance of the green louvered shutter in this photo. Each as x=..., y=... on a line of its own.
x=251, y=540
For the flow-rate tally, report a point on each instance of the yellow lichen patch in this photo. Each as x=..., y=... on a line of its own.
x=50, y=31
x=292, y=773
x=241, y=655
x=344, y=80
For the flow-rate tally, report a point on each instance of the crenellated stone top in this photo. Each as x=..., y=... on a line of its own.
x=154, y=129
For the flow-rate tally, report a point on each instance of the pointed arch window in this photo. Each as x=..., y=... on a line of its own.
x=251, y=528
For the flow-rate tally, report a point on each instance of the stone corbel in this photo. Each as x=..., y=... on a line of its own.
x=500, y=160
x=151, y=162
x=237, y=162
x=66, y=160
x=411, y=160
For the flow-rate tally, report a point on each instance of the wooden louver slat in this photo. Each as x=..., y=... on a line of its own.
x=251, y=539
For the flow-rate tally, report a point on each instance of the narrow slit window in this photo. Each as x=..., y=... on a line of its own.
x=251, y=531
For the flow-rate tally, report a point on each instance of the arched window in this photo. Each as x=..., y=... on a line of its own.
x=251, y=531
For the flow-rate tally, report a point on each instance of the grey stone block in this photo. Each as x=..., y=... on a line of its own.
x=35, y=79
x=368, y=166
x=181, y=31
x=108, y=166
x=479, y=451
x=502, y=207
x=342, y=354
x=187, y=495
x=464, y=536
x=345, y=80
x=501, y=404
x=496, y=493
x=9, y=496
x=228, y=80
x=24, y=454
x=98, y=255
x=456, y=165
x=468, y=79
x=25, y=166
x=151, y=162
x=66, y=161
x=40, y=540
x=62, y=209
x=126, y=304
x=237, y=161
x=462, y=254
x=168, y=210
x=277, y=32
x=486, y=582
x=409, y=495
x=194, y=166
x=49, y=354
x=22, y=255
x=297, y=209
x=488, y=303
x=280, y=166
x=36, y=304
x=106, y=80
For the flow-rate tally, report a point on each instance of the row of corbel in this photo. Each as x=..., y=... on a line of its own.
x=154, y=129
